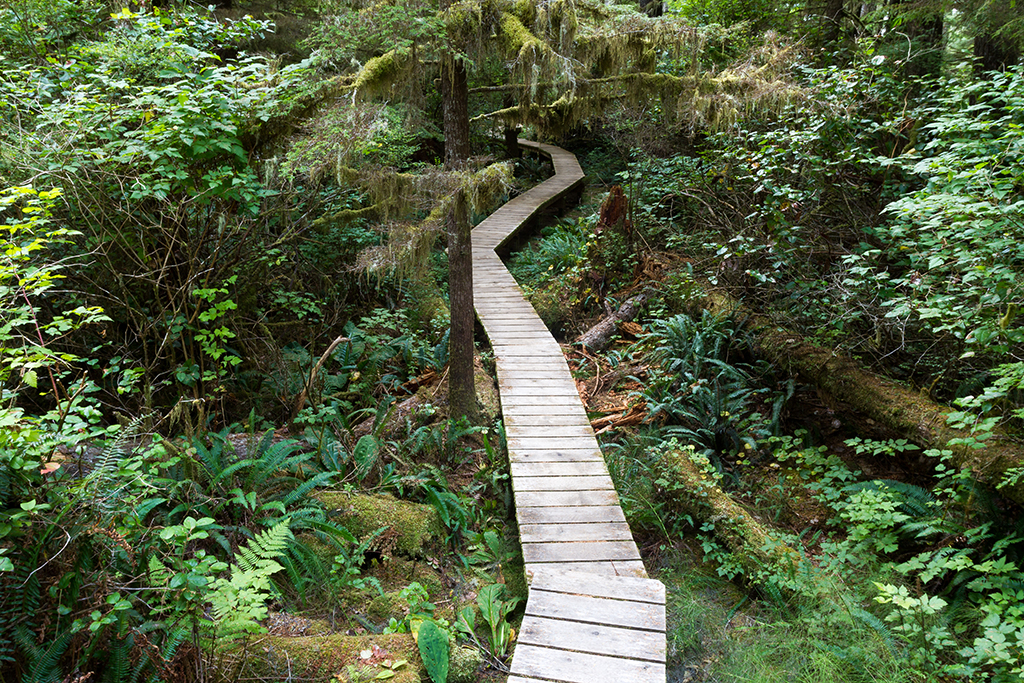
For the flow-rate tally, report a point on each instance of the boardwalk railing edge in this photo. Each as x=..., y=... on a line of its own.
x=592, y=615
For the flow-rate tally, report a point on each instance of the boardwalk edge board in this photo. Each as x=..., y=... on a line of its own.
x=593, y=615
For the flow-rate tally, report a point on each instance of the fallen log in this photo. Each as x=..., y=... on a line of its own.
x=694, y=491
x=893, y=405
x=600, y=335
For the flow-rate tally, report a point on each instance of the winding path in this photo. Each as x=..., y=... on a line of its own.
x=592, y=615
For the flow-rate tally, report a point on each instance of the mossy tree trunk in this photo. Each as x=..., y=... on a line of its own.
x=455, y=111
x=892, y=405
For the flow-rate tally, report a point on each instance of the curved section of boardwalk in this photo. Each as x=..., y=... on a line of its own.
x=592, y=616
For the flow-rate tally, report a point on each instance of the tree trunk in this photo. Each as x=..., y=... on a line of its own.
x=992, y=54
x=892, y=405
x=461, y=389
x=512, y=148
x=455, y=110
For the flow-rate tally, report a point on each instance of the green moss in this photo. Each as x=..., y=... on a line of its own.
x=517, y=38
x=514, y=573
x=323, y=657
x=525, y=11
x=383, y=607
x=414, y=530
x=379, y=73
x=464, y=665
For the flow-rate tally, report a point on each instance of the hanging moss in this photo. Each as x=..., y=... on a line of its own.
x=380, y=73
x=525, y=11
x=518, y=40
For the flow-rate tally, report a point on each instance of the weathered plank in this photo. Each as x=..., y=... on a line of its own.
x=600, y=482
x=564, y=498
x=558, y=469
x=554, y=455
x=580, y=551
x=638, y=615
x=640, y=590
x=569, y=516
x=581, y=667
x=576, y=419
x=563, y=533
x=549, y=442
x=603, y=568
x=538, y=431
x=595, y=639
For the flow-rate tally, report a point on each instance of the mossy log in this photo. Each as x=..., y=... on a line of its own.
x=327, y=656
x=897, y=407
x=415, y=530
x=695, y=492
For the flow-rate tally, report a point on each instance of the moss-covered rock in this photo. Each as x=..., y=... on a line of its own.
x=397, y=573
x=464, y=665
x=413, y=529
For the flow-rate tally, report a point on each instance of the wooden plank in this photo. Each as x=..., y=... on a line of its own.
x=603, y=568
x=558, y=533
x=580, y=550
x=558, y=469
x=546, y=371
x=580, y=667
x=521, y=399
x=554, y=455
x=547, y=368
x=551, y=442
x=570, y=515
x=593, y=638
x=559, y=409
x=639, y=590
x=575, y=483
x=577, y=418
x=639, y=615
x=562, y=379
x=533, y=431
x=564, y=498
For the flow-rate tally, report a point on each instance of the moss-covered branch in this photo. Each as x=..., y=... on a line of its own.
x=380, y=73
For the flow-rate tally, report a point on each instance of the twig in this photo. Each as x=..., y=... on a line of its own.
x=301, y=402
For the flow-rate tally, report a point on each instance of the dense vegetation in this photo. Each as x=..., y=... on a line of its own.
x=224, y=331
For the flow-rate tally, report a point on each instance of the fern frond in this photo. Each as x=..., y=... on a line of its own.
x=299, y=492
x=265, y=547
x=43, y=660
x=118, y=661
x=880, y=628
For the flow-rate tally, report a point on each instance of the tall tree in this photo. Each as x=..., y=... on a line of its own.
x=455, y=112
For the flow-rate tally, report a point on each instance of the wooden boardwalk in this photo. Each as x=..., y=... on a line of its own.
x=592, y=615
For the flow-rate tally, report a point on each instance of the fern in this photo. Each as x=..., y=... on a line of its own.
x=239, y=601
x=103, y=487
x=43, y=660
x=880, y=628
x=118, y=660
x=914, y=501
